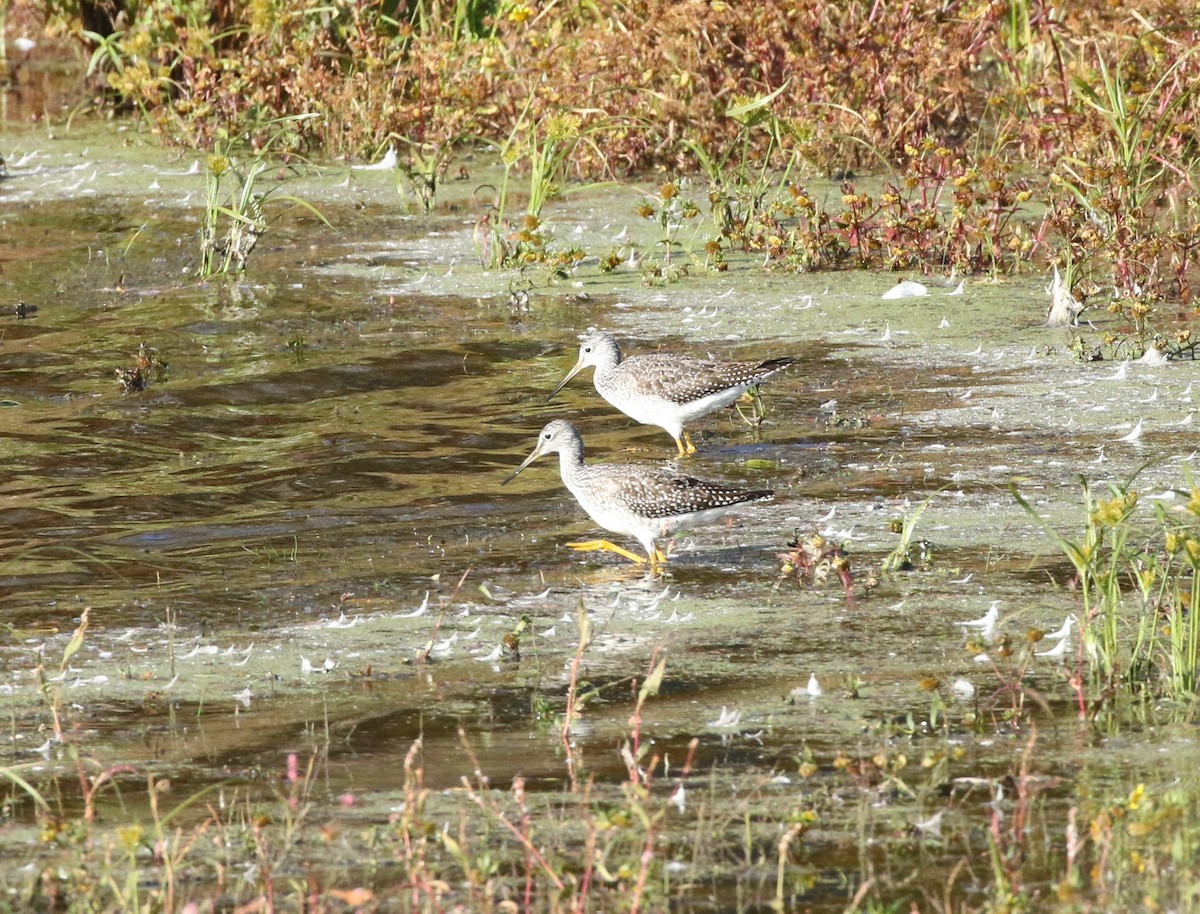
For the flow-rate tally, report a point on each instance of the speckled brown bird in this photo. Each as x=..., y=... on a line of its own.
x=648, y=503
x=664, y=389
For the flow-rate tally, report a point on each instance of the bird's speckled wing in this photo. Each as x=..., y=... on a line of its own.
x=681, y=379
x=654, y=492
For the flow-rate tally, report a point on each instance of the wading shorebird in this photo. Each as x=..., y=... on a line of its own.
x=646, y=502
x=666, y=390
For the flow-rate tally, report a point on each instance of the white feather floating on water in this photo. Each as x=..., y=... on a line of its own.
x=962, y=690
x=1153, y=357
x=1064, y=307
x=306, y=668
x=1063, y=633
x=1120, y=374
x=387, y=163
x=931, y=826
x=727, y=719
x=1058, y=650
x=1134, y=434
x=419, y=611
x=906, y=289
x=985, y=624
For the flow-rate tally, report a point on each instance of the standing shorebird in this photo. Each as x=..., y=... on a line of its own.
x=666, y=390
x=646, y=502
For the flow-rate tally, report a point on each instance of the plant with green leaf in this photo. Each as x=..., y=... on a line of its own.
x=235, y=195
x=545, y=146
x=670, y=211
x=908, y=555
x=1143, y=590
x=423, y=167
x=1100, y=559
x=741, y=177
x=1174, y=588
x=1130, y=176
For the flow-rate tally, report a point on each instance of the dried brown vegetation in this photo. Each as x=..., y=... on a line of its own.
x=1011, y=130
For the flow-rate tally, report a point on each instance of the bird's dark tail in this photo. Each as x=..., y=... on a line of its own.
x=770, y=366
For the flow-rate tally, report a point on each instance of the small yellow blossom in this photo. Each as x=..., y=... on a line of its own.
x=1112, y=512
x=519, y=13
x=562, y=127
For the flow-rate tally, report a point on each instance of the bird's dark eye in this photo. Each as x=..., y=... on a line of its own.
x=587, y=348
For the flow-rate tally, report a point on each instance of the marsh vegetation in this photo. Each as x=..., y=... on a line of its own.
x=290, y=287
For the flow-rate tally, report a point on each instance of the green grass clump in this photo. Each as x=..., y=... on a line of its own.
x=1138, y=593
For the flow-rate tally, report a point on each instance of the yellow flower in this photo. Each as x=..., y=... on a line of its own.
x=562, y=127
x=519, y=13
x=138, y=43
x=1193, y=550
x=129, y=837
x=1112, y=512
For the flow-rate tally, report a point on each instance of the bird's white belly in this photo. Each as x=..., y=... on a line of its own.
x=702, y=407
x=651, y=410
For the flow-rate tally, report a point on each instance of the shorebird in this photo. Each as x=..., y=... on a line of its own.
x=663, y=389
x=648, y=503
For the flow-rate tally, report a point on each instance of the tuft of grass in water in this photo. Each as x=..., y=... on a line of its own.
x=1137, y=585
x=908, y=555
x=545, y=147
x=235, y=195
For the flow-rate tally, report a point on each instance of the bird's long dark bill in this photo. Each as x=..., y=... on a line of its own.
x=570, y=374
x=537, y=452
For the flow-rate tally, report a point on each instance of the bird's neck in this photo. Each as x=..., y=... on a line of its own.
x=608, y=364
x=570, y=459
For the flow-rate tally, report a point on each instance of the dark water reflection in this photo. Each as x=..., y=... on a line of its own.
x=280, y=425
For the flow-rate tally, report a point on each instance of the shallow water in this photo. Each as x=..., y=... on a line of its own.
x=296, y=539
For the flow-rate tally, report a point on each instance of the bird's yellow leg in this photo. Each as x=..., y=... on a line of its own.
x=606, y=546
x=685, y=444
x=658, y=560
